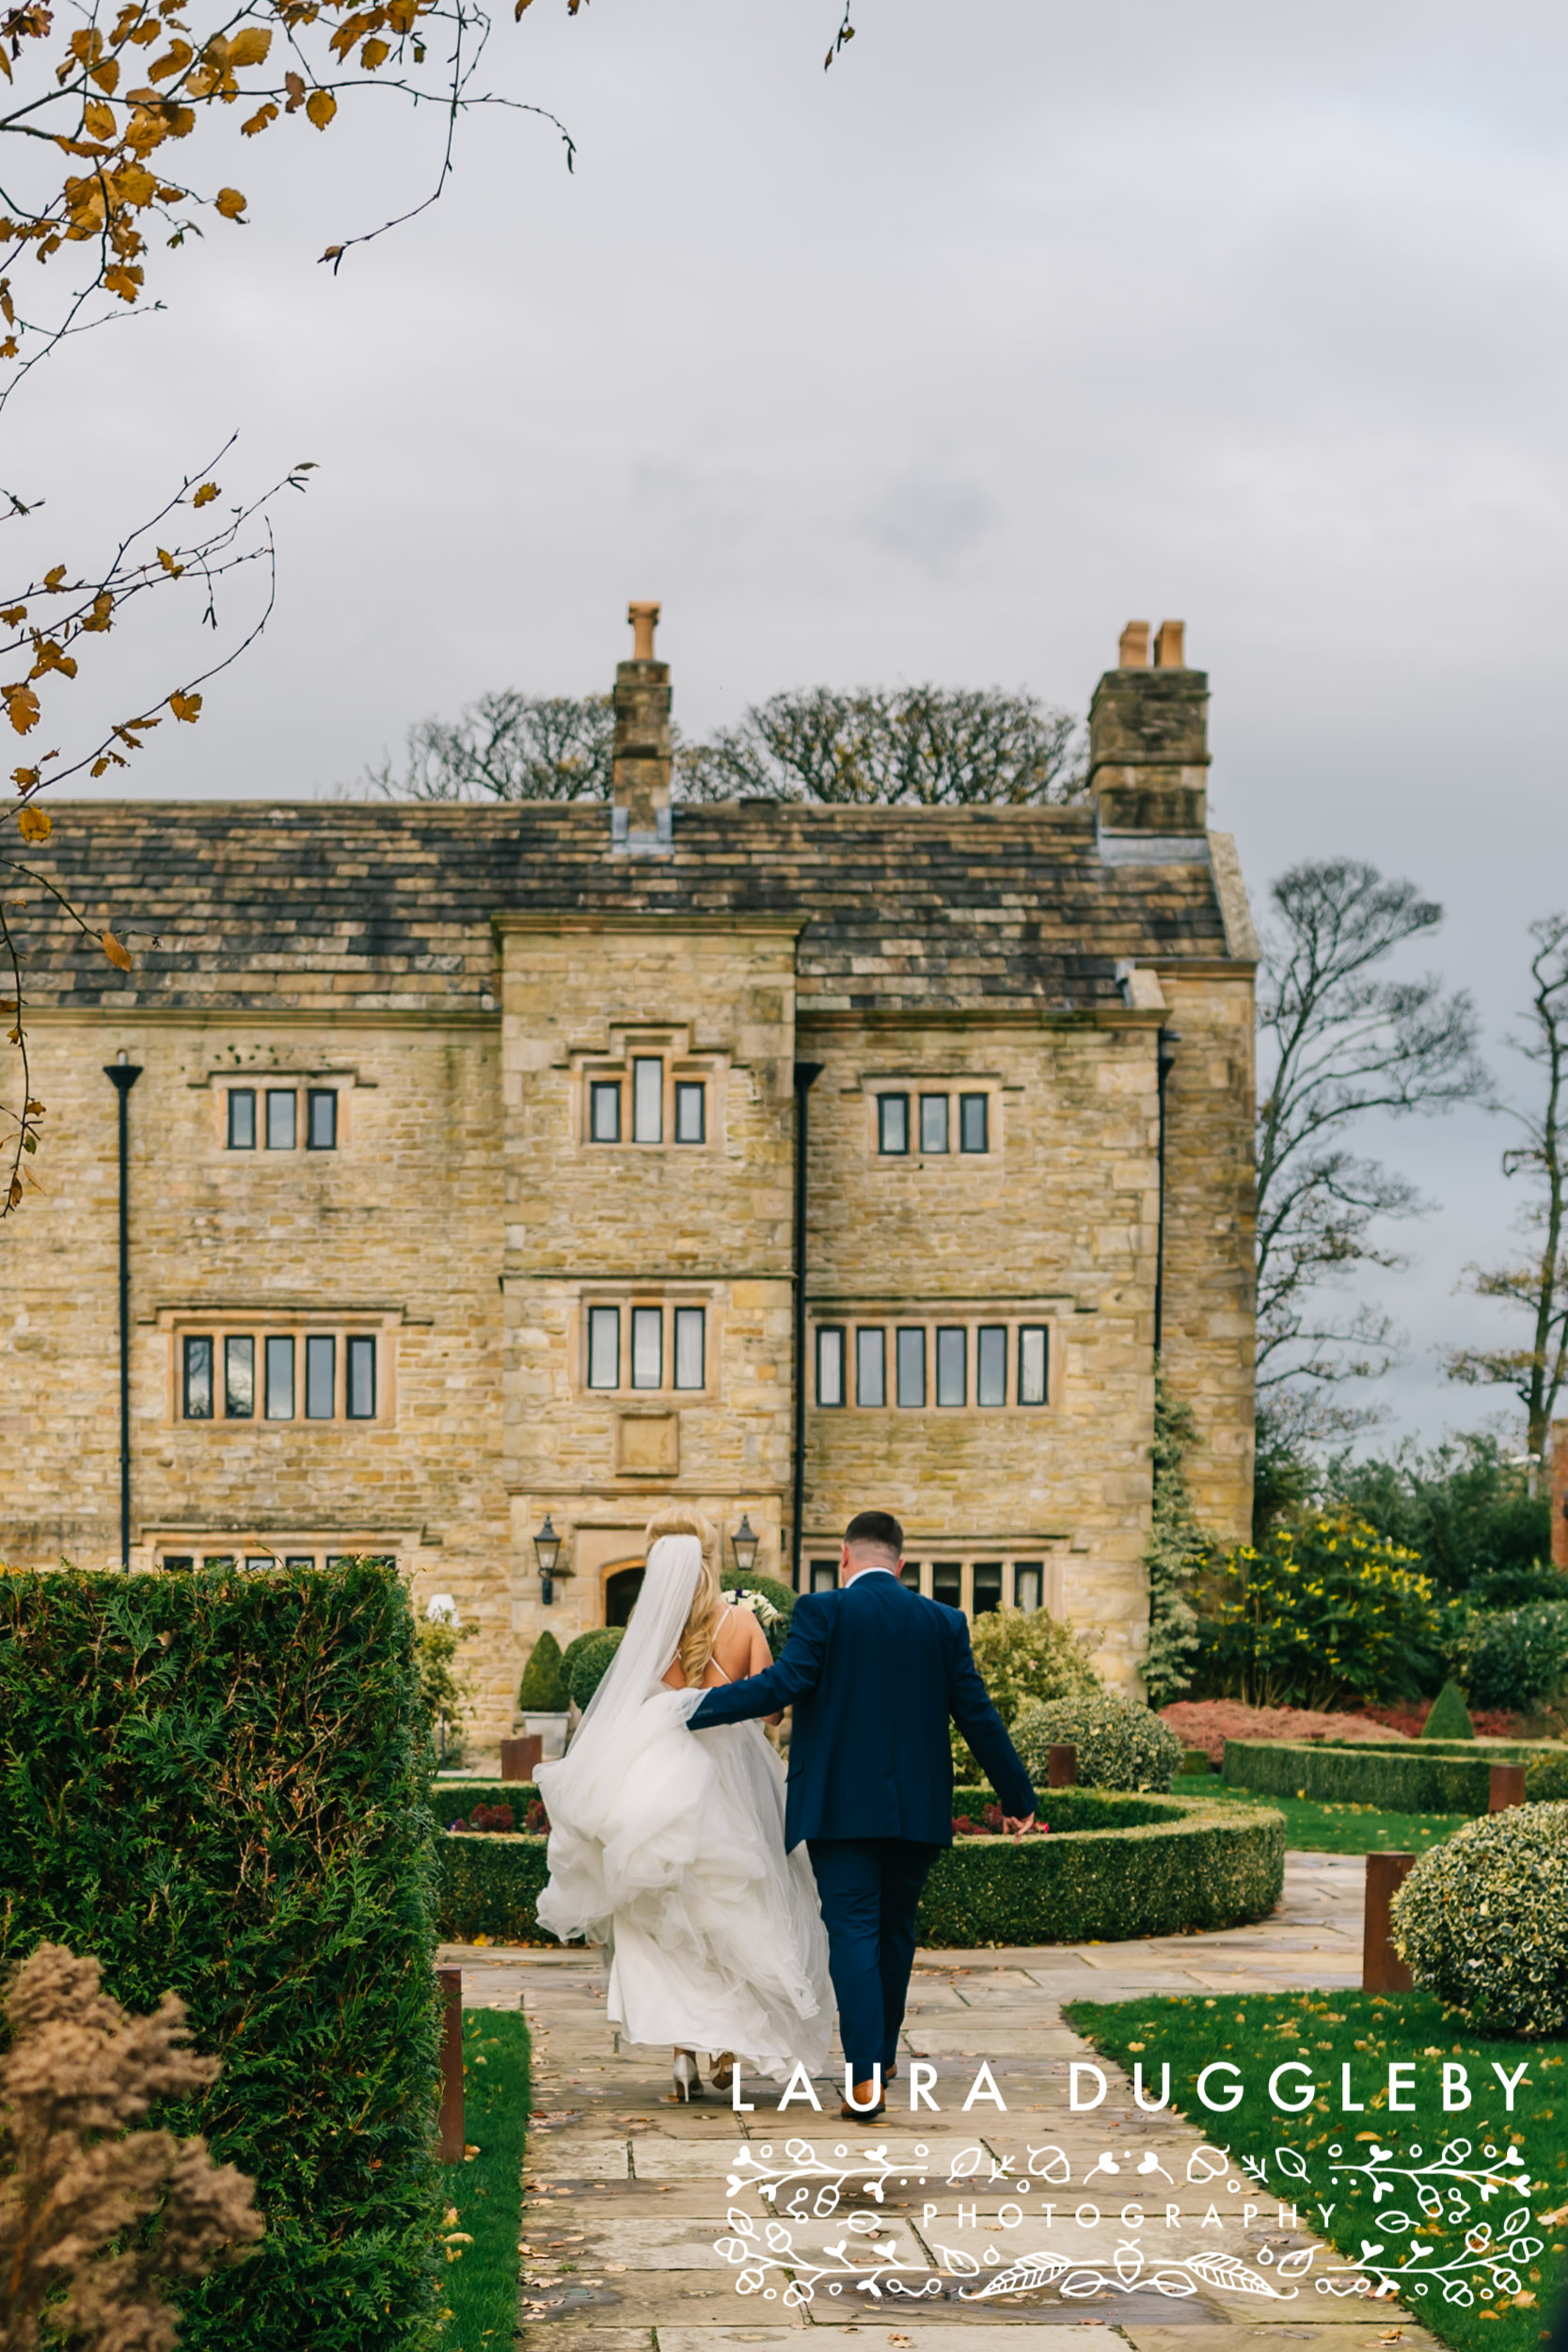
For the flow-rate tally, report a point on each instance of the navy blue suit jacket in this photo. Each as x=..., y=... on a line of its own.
x=873, y=1671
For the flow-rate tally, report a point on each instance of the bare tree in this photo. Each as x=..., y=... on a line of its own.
x=921, y=745
x=925, y=746
x=1535, y=1282
x=507, y=747
x=1338, y=1040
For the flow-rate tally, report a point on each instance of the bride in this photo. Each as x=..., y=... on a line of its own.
x=670, y=1849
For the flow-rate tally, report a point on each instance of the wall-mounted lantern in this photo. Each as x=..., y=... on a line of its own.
x=546, y=1545
x=744, y=1542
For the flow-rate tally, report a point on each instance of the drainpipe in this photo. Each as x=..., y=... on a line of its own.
x=122, y=1074
x=1165, y=1059
x=806, y=1075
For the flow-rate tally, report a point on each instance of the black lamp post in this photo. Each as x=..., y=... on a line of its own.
x=122, y=1074
x=546, y=1545
x=744, y=1542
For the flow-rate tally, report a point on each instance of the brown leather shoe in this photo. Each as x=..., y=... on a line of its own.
x=863, y=2115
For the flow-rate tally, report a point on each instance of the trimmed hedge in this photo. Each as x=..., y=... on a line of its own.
x=454, y=1799
x=489, y=1886
x=1126, y=1866
x=1441, y=1776
x=216, y=1784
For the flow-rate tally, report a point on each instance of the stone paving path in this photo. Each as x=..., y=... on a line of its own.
x=629, y=2195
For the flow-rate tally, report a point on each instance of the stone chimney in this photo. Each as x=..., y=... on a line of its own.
x=1148, y=738
x=640, y=821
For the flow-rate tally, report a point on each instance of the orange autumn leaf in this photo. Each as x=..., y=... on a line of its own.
x=119, y=957
x=249, y=45
x=186, y=707
x=22, y=706
x=35, y=824
x=320, y=108
x=205, y=496
x=229, y=203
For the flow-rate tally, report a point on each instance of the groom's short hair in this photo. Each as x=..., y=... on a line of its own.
x=877, y=1527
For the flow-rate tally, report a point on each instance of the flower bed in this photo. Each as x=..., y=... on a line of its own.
x=1209, y=1722
x=1113, y=1866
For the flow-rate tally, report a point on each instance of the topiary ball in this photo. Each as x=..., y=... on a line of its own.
x=1120, y=1742
x=592, y=1664
x=1483, y=1920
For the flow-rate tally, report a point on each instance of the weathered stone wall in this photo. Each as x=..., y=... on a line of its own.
x=627, y=1223
x=1210, y=1224
x=398, y=1231
x=1054, y=1224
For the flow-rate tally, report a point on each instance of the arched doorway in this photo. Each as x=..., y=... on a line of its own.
x=621, y=1588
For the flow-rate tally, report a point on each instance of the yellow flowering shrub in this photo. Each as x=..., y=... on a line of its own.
x=1325, y=1610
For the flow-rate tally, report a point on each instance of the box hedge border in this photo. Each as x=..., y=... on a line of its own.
x=1171, y=1864
x=217, y=1784
x=1411, y=1779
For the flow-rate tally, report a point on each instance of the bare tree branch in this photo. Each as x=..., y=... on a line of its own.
x=1536, y=1283
x=1338, y=1040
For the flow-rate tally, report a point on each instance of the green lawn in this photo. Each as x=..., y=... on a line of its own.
x=1314, y=1828
x=1369, y=2031
x=485, y=2194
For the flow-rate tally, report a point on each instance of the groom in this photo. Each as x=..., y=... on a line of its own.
x=873, y=1671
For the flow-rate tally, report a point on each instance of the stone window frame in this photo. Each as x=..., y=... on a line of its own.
x=668, y=1299
x=261, y=1324
x=918, y=1088
x=849, y=1321
x=248, y=1551
x=1009, y=1559
x=302, y=1085
x=684, y=1065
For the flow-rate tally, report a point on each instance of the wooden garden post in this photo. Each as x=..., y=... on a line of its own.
x=450, y=1983
x=1382, y=1969
x=1061, y=1769
x=1508, y=1788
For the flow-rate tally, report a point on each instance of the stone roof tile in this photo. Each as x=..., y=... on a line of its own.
x=225, y=902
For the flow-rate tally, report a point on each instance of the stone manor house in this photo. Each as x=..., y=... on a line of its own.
x=495, y=1166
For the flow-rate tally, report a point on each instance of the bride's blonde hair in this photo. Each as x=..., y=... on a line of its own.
x=695, y=1648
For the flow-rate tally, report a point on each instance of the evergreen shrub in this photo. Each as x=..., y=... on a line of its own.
x=1483, y=1920
x=1163, y=1866
x=587, y=1662
x=1449, y=1718
x=216, y=1784
x=543, y=1688
x=1515, y=1659
x=1546, y=1777
x=1120, y=1742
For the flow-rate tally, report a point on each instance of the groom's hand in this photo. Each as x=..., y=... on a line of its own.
x=1015, y=1828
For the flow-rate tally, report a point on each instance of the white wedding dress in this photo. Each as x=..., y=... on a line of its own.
x=666, y=1846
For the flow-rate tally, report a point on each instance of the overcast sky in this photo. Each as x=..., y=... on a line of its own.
x=1022, y=321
